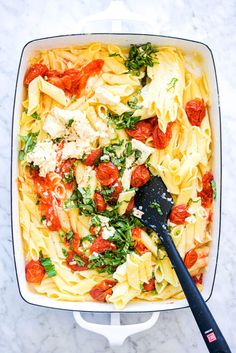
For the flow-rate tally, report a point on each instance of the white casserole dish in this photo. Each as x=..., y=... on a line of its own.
x=122, y=40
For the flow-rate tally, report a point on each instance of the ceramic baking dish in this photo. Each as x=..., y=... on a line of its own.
x=123, y=40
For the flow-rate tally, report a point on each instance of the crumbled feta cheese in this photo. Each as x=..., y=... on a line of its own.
x=65, y=115
x=72, y=263
x=44, y=156
x=83, y=178
x=144, y=149
x=86, y=244
x=74, y=149
x=104, y=220
x=108, y=232
x=106, y=97
x=54, y=127
x=138, y=213
x=95, y=254
x=105, y=158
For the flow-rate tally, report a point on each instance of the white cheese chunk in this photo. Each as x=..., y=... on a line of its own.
x=138, y=213
x=108, y=232
x=44, y=156
x=126, y=178
x=144, y=149
x=75, y=149
x=54, y=127
x=106, y=97
x=104, y=220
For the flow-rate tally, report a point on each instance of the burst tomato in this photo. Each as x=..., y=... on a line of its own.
x=130, y=206
x=150, y=285
x=107, y=173
x=206, y=193
x=140, y=176
x=101, y=245
x=115, y=194
x=34, y=271
x=161, y=139
x=190, y=258
x=100, y=202
x=178, y=214
x=93, y=157
x=196, y=111
x=100, y=291
x=74, y=266
x=75, y=243
x=35, y=71
x=143, y=130
x=136, y=236
x=198, y=279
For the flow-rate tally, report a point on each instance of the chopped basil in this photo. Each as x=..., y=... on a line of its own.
x=87, y=238
x=43, y=219
x=115, y=54
x=96, y=221
x=30, y=141
x=133, y=103
x=140, y=56
x=69, y=235
x=156, y=206
x=48, y=266
x=171, y=84
x=213, y=185
x=106, y=192
x=70, y=122
x=36, y=116
x=81, y=198
x=73, y=99
x=65, y=252
x=124, y=121
x=78, y=260
x=69, y=177
x=61, y=234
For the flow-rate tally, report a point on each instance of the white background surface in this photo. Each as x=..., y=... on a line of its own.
x=28, y=329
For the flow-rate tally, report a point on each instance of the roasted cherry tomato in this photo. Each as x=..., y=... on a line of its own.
x=100, y=291
x=101, y=205
x=206, y=193
x=34, y=271
x=95, y=230
x=130, y=206
x=198, y=279
x=196, y=111
x=101, y=245
x=75, y=243
x=143, y=130
x=93, y=157
x=140, y=176
x=115, y=194
x=150, y=285
x=107, y=173
x=161, y=139
x=35, y=71
x=190, y=258
x=72, y=263
x=136, y=236
x=178, y=214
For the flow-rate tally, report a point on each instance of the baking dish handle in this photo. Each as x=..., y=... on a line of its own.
x=116, y=13
x=115, y=332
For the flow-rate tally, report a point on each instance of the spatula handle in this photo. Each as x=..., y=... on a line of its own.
x=210, y=331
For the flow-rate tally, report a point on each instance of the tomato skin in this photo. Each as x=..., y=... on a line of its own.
x=100, y=291
x=56, y=81
x=101, y=245
x=150, y=285
x=92, y=157
x=143, y=130
x=107, y=173
x=33, y=72
x=140, y=176
x=206, y=193
x=198, y=279
x=45, y=187
x=75, y=243
x=161, y=139
x=178, y=214
x=130, y=206
x=196, y=111
x=34, y=271
x=190, y=258
x=136, y=236
x=76, y=267
x=117, y=190
x=101, y=205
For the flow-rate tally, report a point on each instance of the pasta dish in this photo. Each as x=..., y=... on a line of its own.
x=98, y=122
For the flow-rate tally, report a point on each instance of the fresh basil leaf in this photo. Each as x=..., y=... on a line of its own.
x=36, y=116
x=78, y=260
x=213, y=185
x=124, y=121
x=69, y=235
x=70, y=122
x=65, y=252
x=48, y=266
x=140, y=57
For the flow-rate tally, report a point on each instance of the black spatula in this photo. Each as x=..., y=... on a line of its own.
x=156, y=203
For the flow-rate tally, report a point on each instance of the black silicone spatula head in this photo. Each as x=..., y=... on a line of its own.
x=155, y=202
